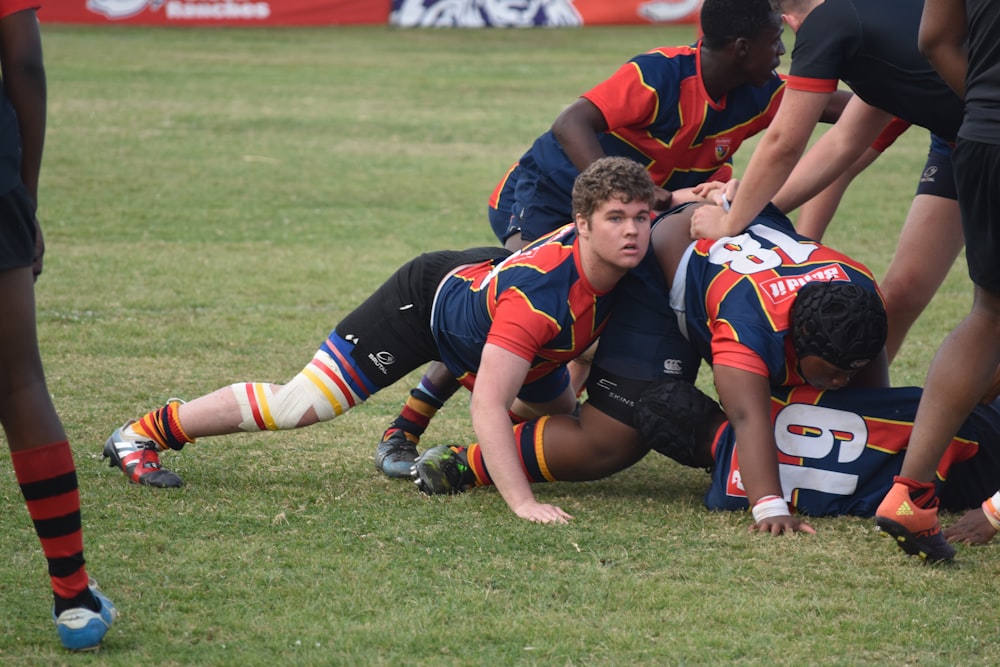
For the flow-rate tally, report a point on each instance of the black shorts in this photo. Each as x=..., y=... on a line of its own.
x=17, y=229
x=634, y=352
x=976, y=168
x=390, y=333
x=938, y=177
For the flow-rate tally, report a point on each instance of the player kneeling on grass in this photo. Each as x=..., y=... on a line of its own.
x=505, y=325
x=767, y=308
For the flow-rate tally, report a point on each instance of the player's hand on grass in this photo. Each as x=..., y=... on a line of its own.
x=537, y=512
x=973, y=529
x=778, y=525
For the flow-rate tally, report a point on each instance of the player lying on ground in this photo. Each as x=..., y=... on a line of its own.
x=505, y=326
x=838, y=451
x=767, y=308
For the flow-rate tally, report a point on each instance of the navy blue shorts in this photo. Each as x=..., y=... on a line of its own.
x=17, y=229
x=542, y=202
x=938, y=177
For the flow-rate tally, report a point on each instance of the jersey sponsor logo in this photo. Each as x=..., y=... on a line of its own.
x=782, y=288
x=382, y=361
x=734, y=481
x=673, y=367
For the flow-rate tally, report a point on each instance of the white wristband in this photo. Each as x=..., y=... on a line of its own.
x=768, y=508
x=991, y=508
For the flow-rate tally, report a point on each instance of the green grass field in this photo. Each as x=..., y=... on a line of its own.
x=214, y=202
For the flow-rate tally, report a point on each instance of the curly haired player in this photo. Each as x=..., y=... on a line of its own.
x=767, y=308
x=505, y=326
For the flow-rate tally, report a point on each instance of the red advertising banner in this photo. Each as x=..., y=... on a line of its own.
x=217, y=12
x=540, y=13
x=602, y=12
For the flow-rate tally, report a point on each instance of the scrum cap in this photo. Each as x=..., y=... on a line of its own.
x=840, y=322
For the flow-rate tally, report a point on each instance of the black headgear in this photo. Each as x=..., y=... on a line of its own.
x=839, y=322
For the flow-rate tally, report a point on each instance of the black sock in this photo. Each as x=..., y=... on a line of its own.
x=84, y=599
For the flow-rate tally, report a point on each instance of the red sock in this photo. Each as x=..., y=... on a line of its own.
x=47, y=476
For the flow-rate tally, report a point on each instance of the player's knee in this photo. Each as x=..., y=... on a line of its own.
x=606, y=457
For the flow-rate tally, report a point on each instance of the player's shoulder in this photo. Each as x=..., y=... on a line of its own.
x=667, y=59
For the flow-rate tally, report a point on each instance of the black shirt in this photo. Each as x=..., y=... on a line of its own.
x=871, y=45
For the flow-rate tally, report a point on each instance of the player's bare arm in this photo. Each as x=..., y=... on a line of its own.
x=745, y=397
x=577, y=129
x=500, y=377
x=833, y=154
x=943, y=39
x=770, y=165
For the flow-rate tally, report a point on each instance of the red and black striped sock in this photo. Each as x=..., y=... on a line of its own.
x=47, y=477
x=163, y=427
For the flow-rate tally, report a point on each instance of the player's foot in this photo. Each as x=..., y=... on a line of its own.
x=395, y=455
x=81, y=629
x=915, y=529
x=443, y=469
x=139, y=459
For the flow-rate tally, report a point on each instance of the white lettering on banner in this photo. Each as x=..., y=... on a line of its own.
x=183, y=9
x=665, y=12
x=482, y=13
x=121, y=9
x=229, y=9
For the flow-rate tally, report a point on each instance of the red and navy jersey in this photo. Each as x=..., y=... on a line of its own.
x=872, y=47
x=537, y=303
x=839, y=450
x=739, y=292
x=659, y=114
